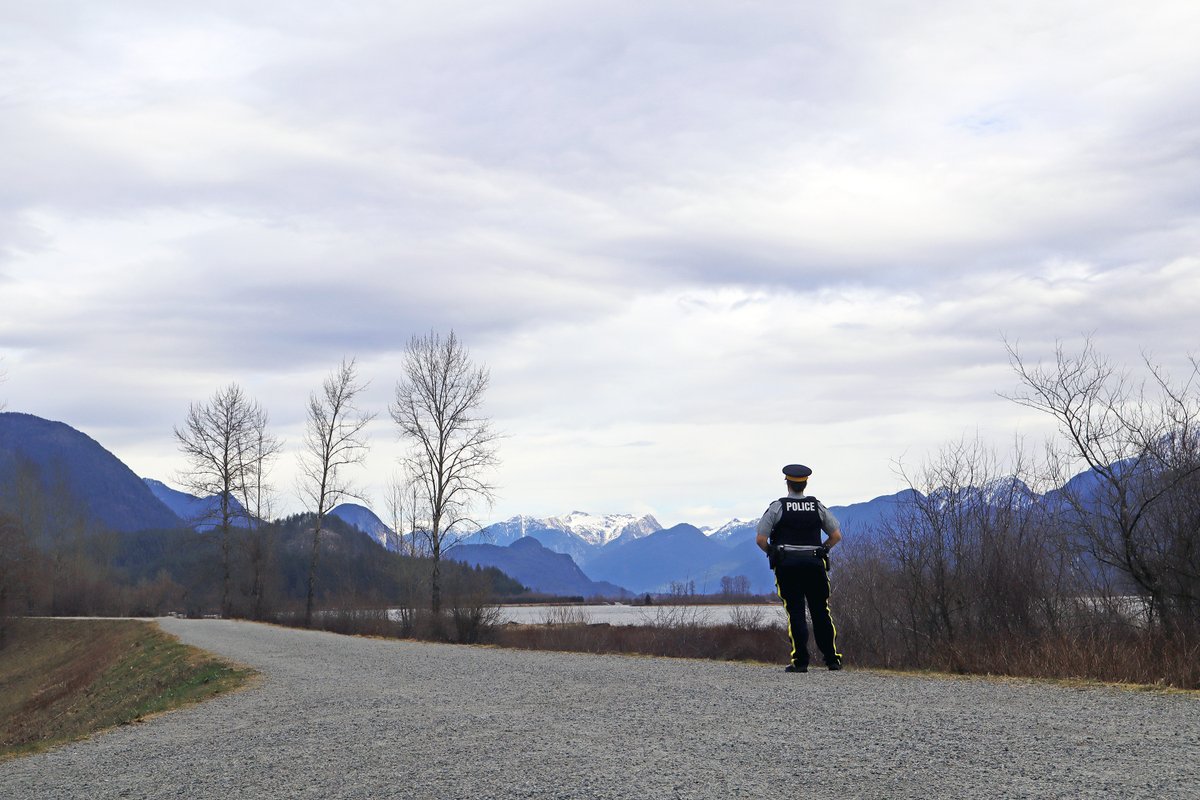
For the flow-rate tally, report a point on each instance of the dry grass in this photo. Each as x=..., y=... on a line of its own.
x=63, y=679
x=666, y=631
x=1107, y=652
x=720, y=643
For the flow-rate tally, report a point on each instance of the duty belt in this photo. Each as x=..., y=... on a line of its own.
x=799, y=548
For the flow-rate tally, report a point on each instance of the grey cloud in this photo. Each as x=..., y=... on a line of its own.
x=196, y=193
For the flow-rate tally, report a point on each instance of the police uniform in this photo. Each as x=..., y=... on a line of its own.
x=791, y=528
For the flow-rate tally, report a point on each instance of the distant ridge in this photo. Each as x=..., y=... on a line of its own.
x=201, y=513
x=366, y=521
x=67, y=461
x=540, y=569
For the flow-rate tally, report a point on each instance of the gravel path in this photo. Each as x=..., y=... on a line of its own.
x=341, y=717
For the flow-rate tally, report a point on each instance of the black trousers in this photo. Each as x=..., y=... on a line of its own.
x=808, y=585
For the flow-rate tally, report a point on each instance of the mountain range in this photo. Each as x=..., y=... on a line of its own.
x=576, y=553
x=638, y=554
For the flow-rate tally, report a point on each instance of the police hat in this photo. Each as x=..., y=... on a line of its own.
x=797, y=472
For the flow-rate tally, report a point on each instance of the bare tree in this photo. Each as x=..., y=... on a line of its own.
x=404, y=508
x=256, y=494
x=1140, y=441
x=334, y=439
x=260, y=449
x=968, y=554
x=216, y=438
x=452, y=447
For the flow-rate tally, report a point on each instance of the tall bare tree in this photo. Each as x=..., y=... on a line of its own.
x=217, y=438
x=1141, y=442
x=452, y=447
x=334, y=439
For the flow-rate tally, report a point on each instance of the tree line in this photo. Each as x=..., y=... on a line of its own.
x=437, y=408
x=248, y=562
x=1082, y=558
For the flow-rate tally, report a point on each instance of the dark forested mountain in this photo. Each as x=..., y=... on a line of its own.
x=352, y=570
x=63, y=467
x=539, y=568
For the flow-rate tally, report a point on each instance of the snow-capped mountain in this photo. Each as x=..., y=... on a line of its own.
x=602, y=530
x=578, y=534
x=733, y=532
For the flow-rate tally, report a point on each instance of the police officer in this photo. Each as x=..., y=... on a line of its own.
x=790, y=533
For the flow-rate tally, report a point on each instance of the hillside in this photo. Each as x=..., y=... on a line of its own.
x=53, y=467
x=539, y=568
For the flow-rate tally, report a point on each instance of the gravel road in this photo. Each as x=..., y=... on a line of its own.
x=342, y=717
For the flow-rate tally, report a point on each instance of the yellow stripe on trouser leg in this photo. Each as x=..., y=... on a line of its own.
x=834, y=627
x=829, y=588
x=788, y=614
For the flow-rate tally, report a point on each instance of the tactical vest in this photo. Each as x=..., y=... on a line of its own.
x=800, y=522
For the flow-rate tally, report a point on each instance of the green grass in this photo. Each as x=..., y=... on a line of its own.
x=64, y=679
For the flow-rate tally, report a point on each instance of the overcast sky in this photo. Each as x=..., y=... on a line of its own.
x=693, y=242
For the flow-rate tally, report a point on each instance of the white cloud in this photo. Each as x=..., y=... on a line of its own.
x=727, y=232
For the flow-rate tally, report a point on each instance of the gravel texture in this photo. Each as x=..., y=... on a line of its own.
x=344, y=717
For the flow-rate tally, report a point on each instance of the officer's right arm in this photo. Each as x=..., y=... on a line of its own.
x=832, y=537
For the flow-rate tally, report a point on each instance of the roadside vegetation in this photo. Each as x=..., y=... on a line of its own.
x=1106, y=648
x=62, y=680
x=671, y=631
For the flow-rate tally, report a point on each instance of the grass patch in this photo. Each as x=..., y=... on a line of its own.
x=64, y=679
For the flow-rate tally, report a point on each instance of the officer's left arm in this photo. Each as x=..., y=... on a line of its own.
x=767, y=524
